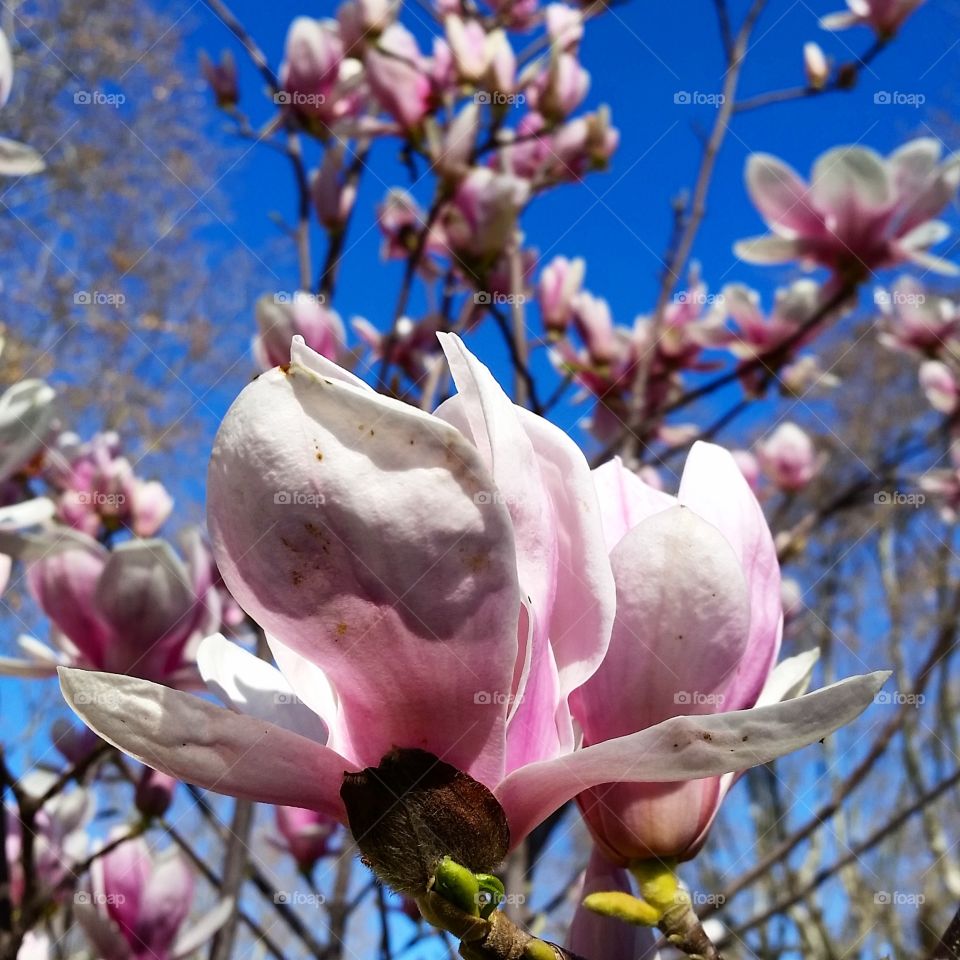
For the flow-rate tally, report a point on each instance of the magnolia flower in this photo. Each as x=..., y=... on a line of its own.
x=136, y=609
x=560, y=282
x=939, y=384
x=453, y=154
x=26, y=414
x=333, y=195
x=396, y=72
x=815, y=66
x=479, y=57
x=757, y=332
x=137, y=904
x=788, y=457
x=221, y=77
x=697, y=630
x=884, y=16
x=99, y=488
x=60, y=835
x=591, y=935
x=400, y=219
x=154, y=792
x=861, y=212
x=564, y=25
x=35, y=514
x=591, y=316
x=35, y=946
x=560, y=87
x=6, y=69
x=319, y=83
x=280, y=319
x=434, y=582
x=917, y=320
x=480, y=219
x=362, y=21
x=304, y=834
x=944, y=485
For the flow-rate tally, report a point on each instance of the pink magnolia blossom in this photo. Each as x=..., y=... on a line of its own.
x=481, y=58
x=221, y=77
x=397, y=74
x=362, y=21
x=884, y=16
x=135, y=609
x=564, y=25
x=816, y=67
x=304, y=834
x=98, y=487
x=332, y=193
x=6, y=69
x=60, y=836
x=860, y=212
x=26, y=414
x=560, y=282
x=400, y=218
x=455, y=149
x=757, y=332
x=413, y=348
x=438, y=582
x=591, y=935
x=481, y=218
x=154, y=792
x=917, y=320
x=591, y=316
x=939, y=384
x=320, y=84
x=280, y=319
x=788, y=457
x=697, y=630
x=560, y=87
x=138, y=903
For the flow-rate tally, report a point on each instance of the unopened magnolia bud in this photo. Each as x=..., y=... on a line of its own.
x=413, y=810
x=815, y=66
x=154, y=793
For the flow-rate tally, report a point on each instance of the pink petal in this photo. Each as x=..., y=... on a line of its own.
x=681, y=626
x=684, y=748
x=196, y=742
x=781, y=196
x=714, y=487
x=352, y=528
x=625, y=500
x=594, y=936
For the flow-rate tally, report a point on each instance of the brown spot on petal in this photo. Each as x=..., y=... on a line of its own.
x=296, y=577
x=341, y=629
